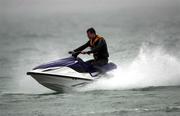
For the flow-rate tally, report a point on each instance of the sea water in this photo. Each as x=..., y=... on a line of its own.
x=143, y=39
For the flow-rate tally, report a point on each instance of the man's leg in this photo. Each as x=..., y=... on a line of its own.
x=90, y=61
x=99, y=63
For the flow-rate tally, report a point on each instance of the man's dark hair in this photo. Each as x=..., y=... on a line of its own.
x=91, y=30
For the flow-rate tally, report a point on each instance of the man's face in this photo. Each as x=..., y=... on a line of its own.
x=91, y=35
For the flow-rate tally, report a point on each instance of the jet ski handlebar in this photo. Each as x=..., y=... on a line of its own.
x=76, y=53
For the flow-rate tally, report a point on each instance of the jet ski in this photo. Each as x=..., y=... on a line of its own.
x=68, y=73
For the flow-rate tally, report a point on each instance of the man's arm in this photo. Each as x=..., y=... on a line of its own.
x=82, y=47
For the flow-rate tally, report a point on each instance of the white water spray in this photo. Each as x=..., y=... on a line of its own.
x=152, y=67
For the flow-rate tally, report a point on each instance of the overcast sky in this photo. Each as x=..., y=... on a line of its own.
x=69, y=6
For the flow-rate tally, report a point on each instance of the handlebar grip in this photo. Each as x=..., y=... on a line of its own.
x=70, y=52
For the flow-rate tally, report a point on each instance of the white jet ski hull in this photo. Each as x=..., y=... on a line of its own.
x=61, y=82
x=68, y=73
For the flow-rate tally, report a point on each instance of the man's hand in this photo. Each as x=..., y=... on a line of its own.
x=74, y=54
x=85, y=53
x=82, y=52
x=70, y=52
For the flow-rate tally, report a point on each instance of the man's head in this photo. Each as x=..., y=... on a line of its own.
x=91, y=33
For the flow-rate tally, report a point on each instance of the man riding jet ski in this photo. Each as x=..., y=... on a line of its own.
x=98, y=49
x=68, y=73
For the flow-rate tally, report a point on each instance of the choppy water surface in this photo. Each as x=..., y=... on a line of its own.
x=143, y=39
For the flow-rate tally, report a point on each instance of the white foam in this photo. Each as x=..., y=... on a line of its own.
x=152, y=67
